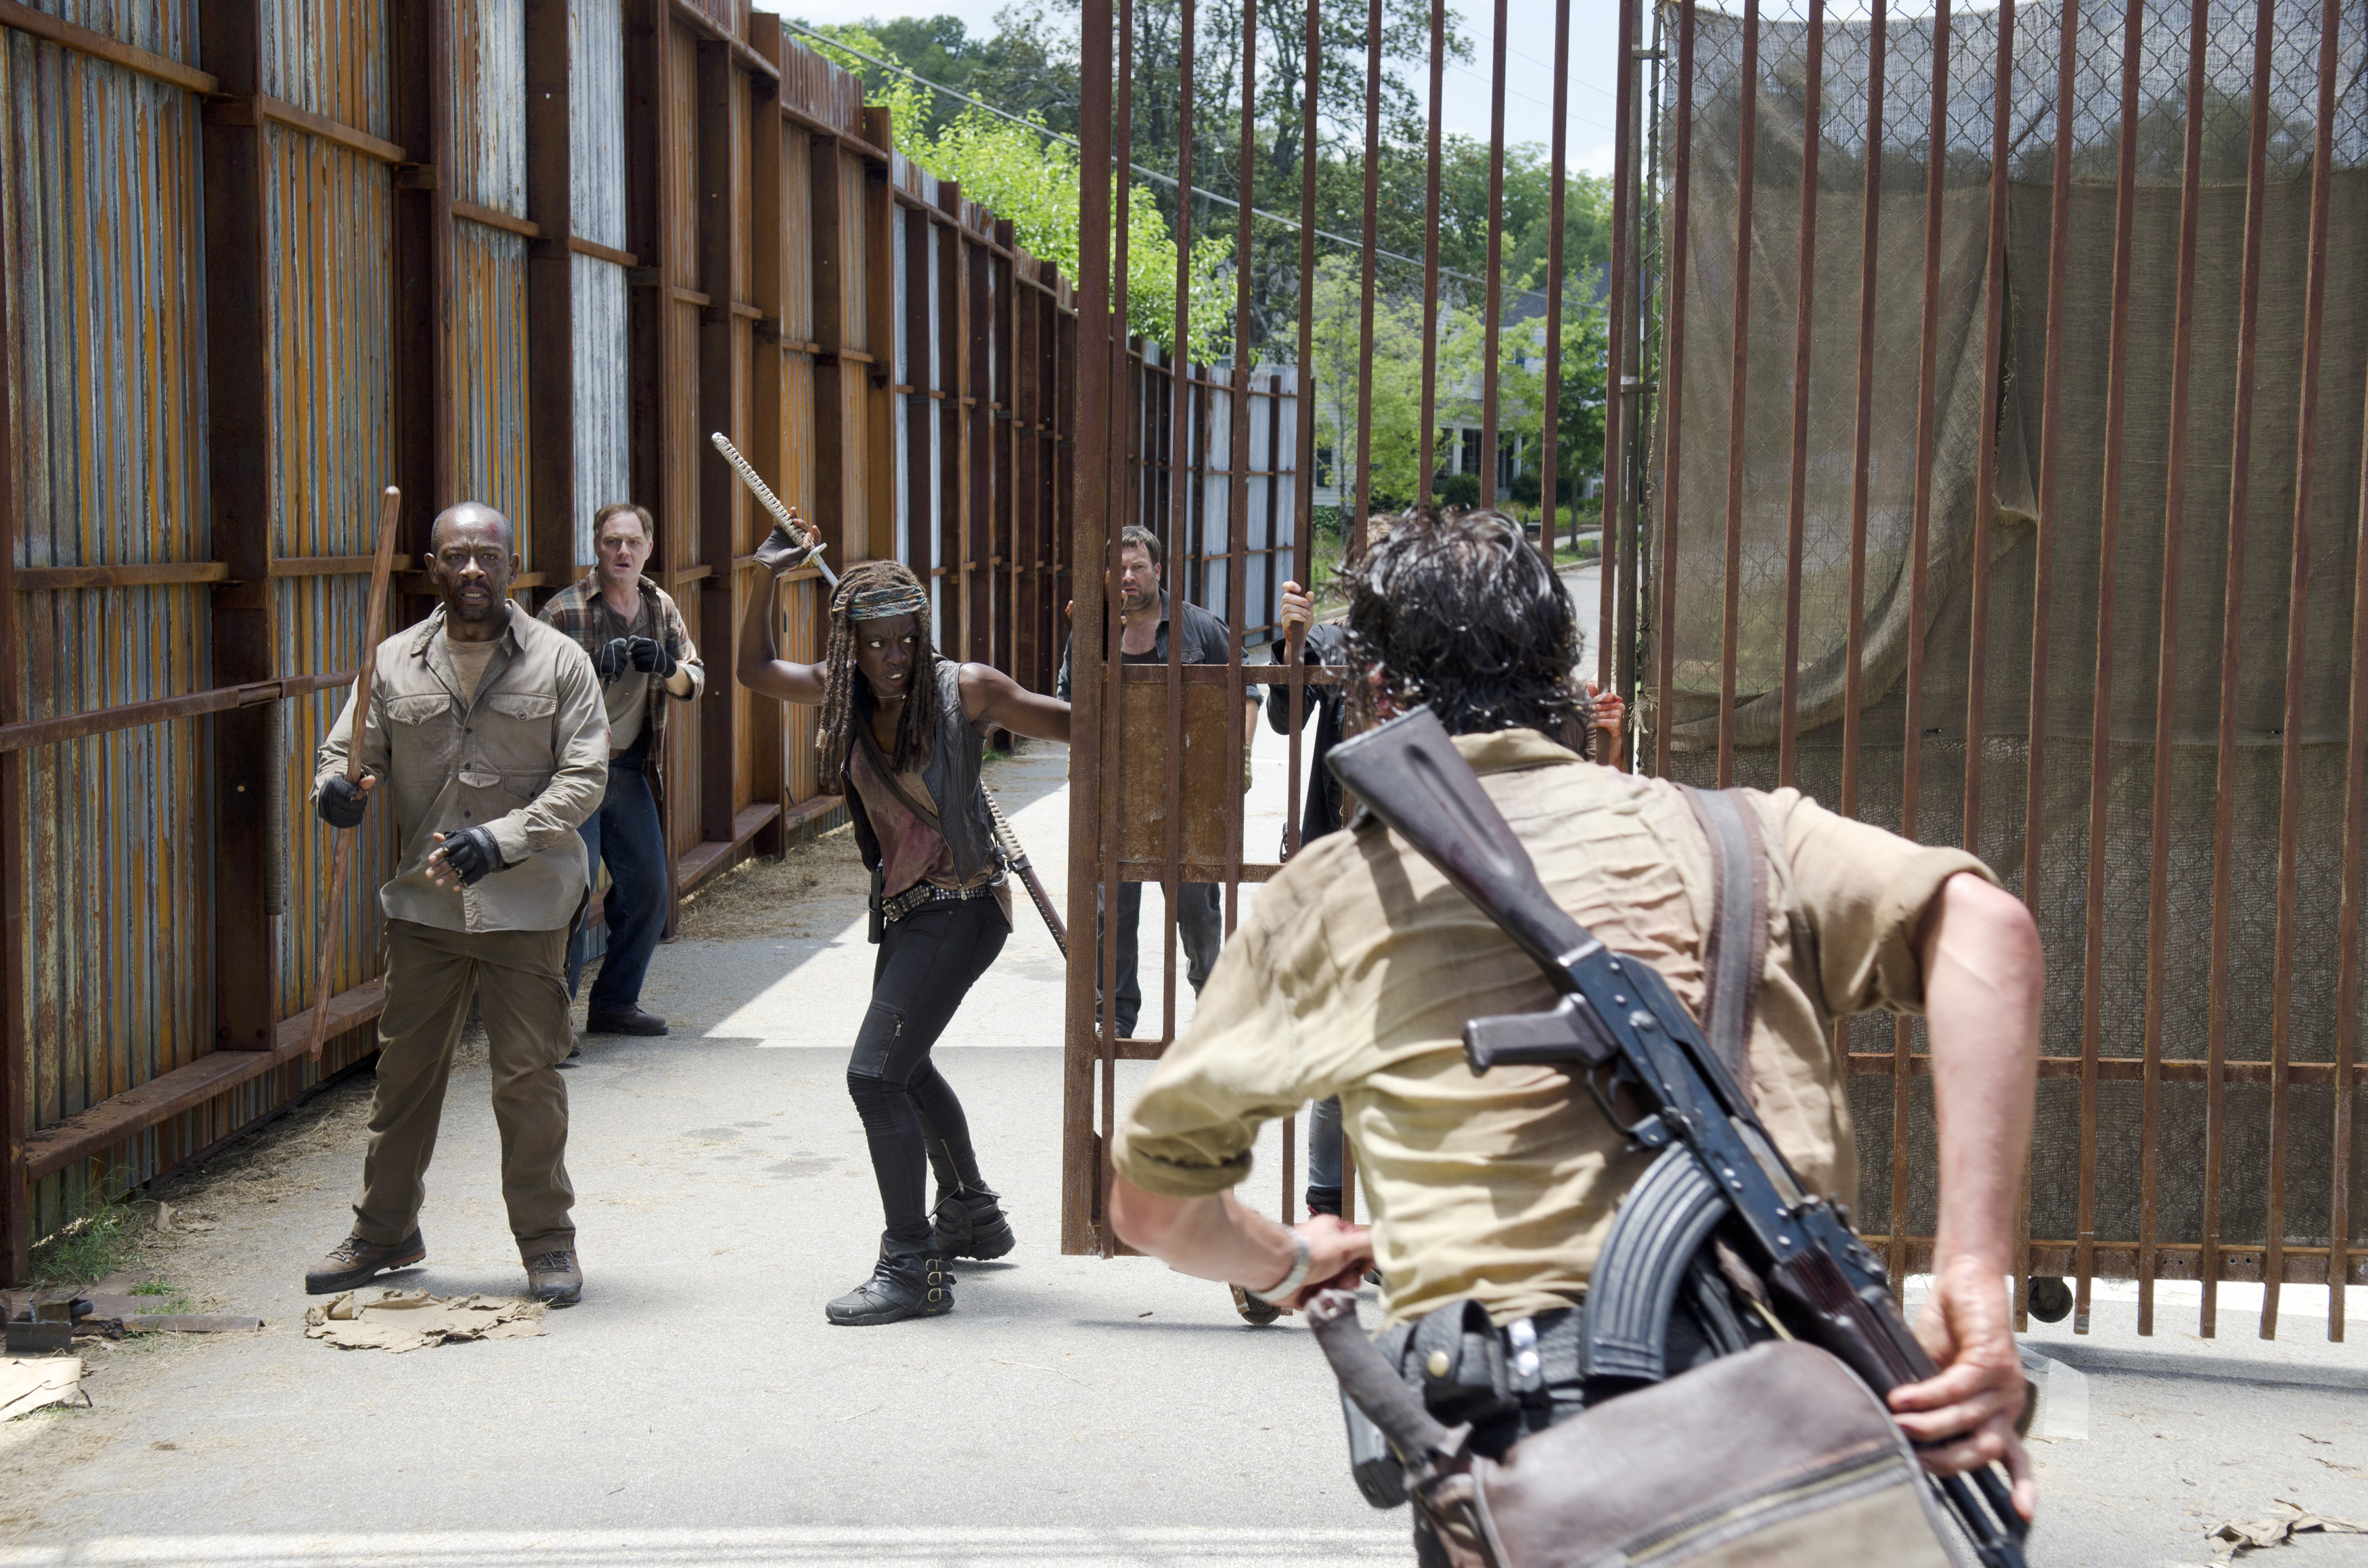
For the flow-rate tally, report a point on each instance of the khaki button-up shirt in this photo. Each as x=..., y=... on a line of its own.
x=1359, y=966
x=529, y=758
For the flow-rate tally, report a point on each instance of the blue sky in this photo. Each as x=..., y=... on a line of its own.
x=1529, y=63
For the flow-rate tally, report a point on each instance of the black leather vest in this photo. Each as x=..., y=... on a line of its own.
x=952, y=777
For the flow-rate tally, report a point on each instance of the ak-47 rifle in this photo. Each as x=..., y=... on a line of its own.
x=1719, y=1173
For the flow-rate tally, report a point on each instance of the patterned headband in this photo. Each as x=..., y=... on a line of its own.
x=889, y=599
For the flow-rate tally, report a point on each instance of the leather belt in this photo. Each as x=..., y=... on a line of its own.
x=920, y=895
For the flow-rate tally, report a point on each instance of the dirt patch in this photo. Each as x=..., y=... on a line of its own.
x=773, y=898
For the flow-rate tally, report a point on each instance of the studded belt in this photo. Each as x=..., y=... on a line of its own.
x=920, y=895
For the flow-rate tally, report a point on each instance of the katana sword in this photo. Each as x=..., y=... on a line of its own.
x=772, y=502
x=1026, y=873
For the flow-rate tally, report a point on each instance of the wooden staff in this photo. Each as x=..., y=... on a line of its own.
x=341, y=840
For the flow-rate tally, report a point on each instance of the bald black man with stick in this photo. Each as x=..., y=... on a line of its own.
x=489, y=729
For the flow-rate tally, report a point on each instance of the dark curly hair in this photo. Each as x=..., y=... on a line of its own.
x=1457, y=609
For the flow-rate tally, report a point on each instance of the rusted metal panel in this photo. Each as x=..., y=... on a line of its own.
x=490, y=353
x=595, y=114
x=797, y=206
x=330, y=231
x=489, y=104
x=330, y=60
x=682, y=206
x=603, y=394
x=99, y=199
x=854, y=269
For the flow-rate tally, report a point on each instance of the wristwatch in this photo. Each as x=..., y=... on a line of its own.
x=1284, y=1289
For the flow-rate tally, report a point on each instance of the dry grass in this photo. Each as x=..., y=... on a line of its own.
x=816, y=884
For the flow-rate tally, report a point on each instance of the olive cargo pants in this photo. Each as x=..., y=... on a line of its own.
x=519, y=979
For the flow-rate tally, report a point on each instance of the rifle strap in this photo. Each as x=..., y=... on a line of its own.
x=1738, y=949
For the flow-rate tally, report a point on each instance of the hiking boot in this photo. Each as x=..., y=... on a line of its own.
x=914, y=1285
x=632, y=1021
x=554, y=1279
x=356, y=1262
x=1254, y=1312
x=970, y=1223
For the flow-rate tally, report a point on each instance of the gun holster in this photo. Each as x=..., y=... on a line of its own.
x=1501, y=1383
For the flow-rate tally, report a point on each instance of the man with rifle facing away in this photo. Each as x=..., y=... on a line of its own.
x=1494, y=1194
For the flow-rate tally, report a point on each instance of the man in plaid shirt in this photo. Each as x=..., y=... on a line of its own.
x=640, y=649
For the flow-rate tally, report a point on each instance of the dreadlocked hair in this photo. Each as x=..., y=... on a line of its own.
x=845, y=700
x=1458, y=611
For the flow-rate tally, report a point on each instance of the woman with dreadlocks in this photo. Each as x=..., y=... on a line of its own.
x=900, y=736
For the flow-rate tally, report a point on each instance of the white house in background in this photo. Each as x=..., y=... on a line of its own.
x=1458, y=450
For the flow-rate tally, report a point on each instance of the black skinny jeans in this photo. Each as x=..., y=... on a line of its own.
x=927, y=962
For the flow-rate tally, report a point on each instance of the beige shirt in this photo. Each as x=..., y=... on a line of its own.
x=523, y=751
x=1359, y=966
x=469, y=662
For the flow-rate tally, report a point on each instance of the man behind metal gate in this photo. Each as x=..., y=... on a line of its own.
x=1145, y=614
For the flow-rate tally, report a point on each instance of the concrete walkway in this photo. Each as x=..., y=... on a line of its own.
x=696, y=1409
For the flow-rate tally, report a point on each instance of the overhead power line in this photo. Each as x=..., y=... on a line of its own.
x=1168, y=180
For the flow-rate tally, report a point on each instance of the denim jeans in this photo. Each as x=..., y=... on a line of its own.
x=1200, y=925
x=625, y=831
x=1323, y=1157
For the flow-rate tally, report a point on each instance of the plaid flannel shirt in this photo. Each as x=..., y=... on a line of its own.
x=577, y=610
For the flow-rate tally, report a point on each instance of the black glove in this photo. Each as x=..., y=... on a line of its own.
x=472, y=854
x=610, y=660
x=780, y=550
x=650, y=656
x=342, y=802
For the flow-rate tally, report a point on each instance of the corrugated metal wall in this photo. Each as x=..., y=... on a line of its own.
x=399, y=252
x=97, y=213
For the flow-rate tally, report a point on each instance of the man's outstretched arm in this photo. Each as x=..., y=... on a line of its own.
x=1216, y=1238
x=1983, y=977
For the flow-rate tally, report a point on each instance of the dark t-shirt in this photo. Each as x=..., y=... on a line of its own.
x=1207, y=641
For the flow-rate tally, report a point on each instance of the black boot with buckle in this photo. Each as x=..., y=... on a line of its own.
x=968, y=1220
x=903, y=1285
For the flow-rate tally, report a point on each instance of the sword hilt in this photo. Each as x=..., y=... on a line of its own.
x=772, y=502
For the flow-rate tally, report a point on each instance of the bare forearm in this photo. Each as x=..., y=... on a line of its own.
x=990, y=695
x=758, y=667
x=1211, y=1238
x=1983, y=978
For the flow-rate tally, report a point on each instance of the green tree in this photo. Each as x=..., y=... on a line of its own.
x=1023, y=174
x=1018, y=67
